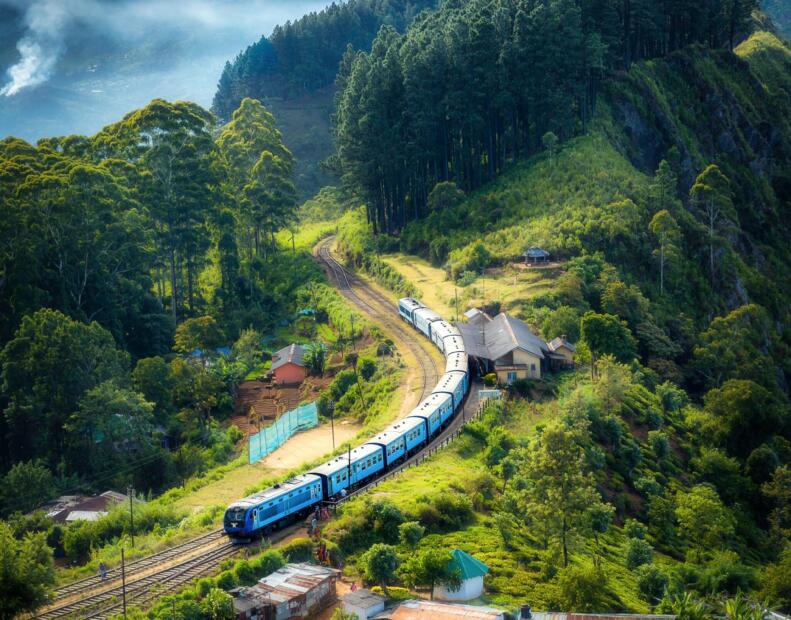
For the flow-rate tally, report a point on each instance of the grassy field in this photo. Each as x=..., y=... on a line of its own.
x=511, y=285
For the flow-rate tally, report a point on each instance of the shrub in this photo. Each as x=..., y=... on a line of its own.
x=448, y=511
x=267, y=563
x=367, y=368
x=410, y=533
x=298, y=550
x=467, y=278
x=651, y=583
x=581, y=588
x=226, y=580
x=634, y=529
x=341, y=384
x=638, y=552
x=490, y=379
x=244, y=573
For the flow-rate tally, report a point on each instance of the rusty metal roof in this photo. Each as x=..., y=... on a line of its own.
x=432, y=610
x=291, y=582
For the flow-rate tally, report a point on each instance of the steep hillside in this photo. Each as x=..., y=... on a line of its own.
x=679, y=417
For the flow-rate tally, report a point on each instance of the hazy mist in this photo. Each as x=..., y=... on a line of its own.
x=73, y=66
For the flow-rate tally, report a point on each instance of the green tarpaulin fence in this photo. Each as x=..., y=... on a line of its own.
x=272, y=437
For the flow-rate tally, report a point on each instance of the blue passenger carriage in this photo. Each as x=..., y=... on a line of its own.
x=435, y=410
x=453, y=344
x=366, y=461
x=423, y=319
x=407, y=307
x=265, y=511
x=453, y=384
x=441, y=330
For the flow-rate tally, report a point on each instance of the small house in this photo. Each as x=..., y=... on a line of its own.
x=69, y=508
x=364, y=603
x=294, y=591
x=536, y=255
x=561, y=352
x=472, y=572
x=288, y=365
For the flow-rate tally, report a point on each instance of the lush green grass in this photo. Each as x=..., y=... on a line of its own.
x=510, y=285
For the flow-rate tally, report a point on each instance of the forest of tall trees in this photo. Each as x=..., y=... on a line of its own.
x=107, y=243
x=475, y=84
x=303, y=55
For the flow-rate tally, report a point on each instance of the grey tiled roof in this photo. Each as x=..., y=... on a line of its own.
x=292, y=354
x=499, y=337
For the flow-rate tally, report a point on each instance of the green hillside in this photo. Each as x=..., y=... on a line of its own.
x=685, y=430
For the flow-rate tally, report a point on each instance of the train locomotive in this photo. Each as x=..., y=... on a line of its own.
x=268, y=510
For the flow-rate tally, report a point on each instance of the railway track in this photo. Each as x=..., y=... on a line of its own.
x=373, y=303
x=142, y=590
x=383, y=310
x=96, y=582
x=96, y=598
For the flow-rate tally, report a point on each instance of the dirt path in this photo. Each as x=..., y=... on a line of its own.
x=302, y=448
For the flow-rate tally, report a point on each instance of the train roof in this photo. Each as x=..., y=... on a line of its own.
x=453, y=344
x=410, y=302
x=428, y=314
x=342, y=460
x=458, y=361
x=429, y=404
x=449, y=381
x=394, y=431
x=444, y=329
x=274, y=491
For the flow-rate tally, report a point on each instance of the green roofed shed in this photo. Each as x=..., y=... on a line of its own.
x=471, y=573
x=468, y=565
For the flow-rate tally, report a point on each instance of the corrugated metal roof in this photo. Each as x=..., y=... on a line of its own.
x=290, y=582
x=432, y=610
x=292, y=354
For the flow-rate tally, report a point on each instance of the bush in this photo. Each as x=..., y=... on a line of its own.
x=448, y=511
x=651, y=583
x=367, y=368
x=581, y=588
x=467, y=278
x=341, y=384
x=244, y=573
x=638, y=552
x=394, y=594
x=226, y=580
x=410, y=533
x=490, y=379
x=298, y=550
x=634, y=529
x=267, y=563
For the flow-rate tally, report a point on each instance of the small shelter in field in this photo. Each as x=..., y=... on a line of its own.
x=288, y=365
x=472, y=572
x=536, y=255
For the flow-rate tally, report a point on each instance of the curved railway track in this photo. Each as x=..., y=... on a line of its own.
x=376, y=305
x=97, y=598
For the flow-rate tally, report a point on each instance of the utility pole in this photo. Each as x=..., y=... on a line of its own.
x=123, y=581
x=131, y=491
x=456, y=296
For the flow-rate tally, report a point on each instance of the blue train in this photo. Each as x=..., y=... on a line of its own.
x=270, y=509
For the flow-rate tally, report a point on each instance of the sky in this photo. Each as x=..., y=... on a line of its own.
x=74, y=66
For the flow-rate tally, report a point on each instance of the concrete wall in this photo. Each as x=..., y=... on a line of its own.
x=290, y=373
x=470, y=589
